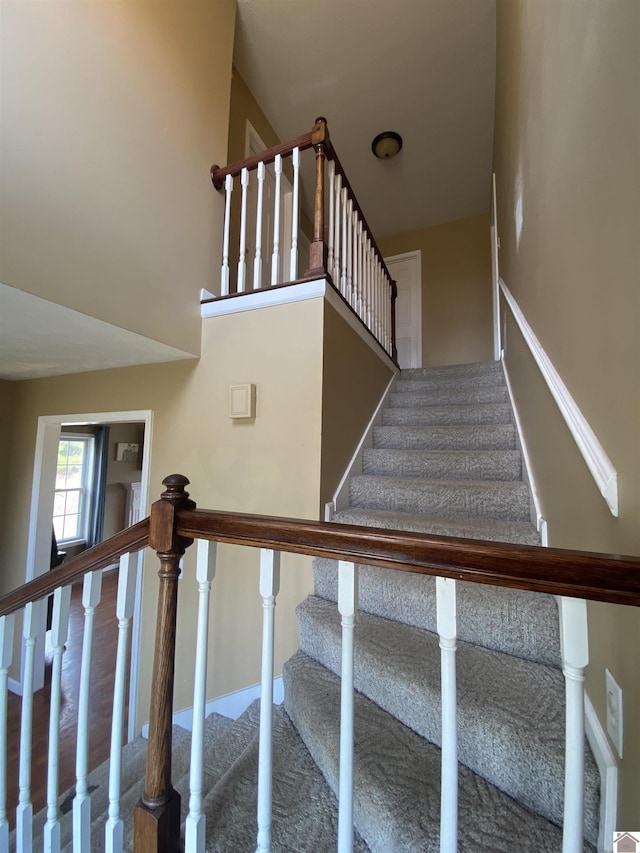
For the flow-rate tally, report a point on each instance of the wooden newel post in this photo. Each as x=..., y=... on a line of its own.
x=394, y=296
x=318, y=248
x=157, y=814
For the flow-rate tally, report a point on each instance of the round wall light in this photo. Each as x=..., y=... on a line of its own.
x=386, y=145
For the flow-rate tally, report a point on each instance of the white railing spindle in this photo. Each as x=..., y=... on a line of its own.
x=7, y=624
x=349, y=293
x=242, y=257
x=343, y=251
x=114, y=827
x=330, y=235
x=224, y=274
x=275, y=258
x=447, y=630
x=337, y=232
x=31, y=627
x=91, y=591
x=59, y=635
x=195, y=827
x=293, y=267
x=574, y=640
x=269, y=588
x=257, y=261
x=348, y=608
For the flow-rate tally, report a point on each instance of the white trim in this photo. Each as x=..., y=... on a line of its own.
x=416, y=255
x=593, y=453
x=301, y=292
x=527, y=473
x=495, y=272
x=14, y=686
x=341, y=496
x=608, y=768
x=230, y=705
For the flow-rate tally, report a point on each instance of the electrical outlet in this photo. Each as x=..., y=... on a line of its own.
x=614, y=711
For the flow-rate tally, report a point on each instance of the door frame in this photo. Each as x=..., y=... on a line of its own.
x=416, y=255
x=41, y=514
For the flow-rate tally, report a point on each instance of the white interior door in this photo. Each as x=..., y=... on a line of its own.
x=405, y=270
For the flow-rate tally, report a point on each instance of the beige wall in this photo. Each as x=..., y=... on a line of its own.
x=354, y=379
x=112, y=114
x=7, y=392
x=269, y=465
x=567, y=167
x=456, y=289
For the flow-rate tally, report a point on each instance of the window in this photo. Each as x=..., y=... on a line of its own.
x=71, y=507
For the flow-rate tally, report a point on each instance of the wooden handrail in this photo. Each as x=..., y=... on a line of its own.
x=131, y=539
x=601, y=577
x=219, y=173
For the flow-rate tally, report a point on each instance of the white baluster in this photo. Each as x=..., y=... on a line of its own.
x=332, y=189
x=59, y=634
x=357, y=273
x=7, y=624
x=574, y=640
x=343, y=251
x=275, y=257
x=195, y=827
x=370, y=287
x=350, y=252
x=91, y=591
x=224, y=275
x=447, y=630
x=31, y=627
x=337, y=233
x=242, y=257
x=293, y=267
x=114, y=827
x=257, y=261
x=348, y=607
x=269, y=588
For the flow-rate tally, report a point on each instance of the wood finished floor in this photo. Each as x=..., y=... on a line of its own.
x=101, y=707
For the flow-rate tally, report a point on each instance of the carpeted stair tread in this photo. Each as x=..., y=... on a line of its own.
x=446, y=437
x=491, y=529
x=516, y=622
x=470, y=498
x=410, y=395
x=397, y=776
x=451, y=372
x=500, y=697
x=425, y=383
x=304, y=808
x=487, y=413
x=445, y=465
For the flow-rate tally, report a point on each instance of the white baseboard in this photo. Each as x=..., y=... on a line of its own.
x=231, y=705
x=14, y=686
x=608, y=768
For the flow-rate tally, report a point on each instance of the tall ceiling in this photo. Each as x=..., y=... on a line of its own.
x=423, y=68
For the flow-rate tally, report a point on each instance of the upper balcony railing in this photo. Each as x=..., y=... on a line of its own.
x=342, y=249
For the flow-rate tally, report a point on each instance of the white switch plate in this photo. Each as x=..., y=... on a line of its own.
x=614, y=711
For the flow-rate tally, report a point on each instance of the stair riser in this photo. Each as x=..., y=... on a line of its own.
x=478, y=465
x=499, y=413
x=522, y=624
x=406, y=397
x=450, y=372
x=498, y=437
x=418, y=384
x=506, y=501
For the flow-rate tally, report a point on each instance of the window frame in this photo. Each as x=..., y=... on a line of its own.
x=86, y=488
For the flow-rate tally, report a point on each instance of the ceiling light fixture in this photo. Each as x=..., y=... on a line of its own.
x=386, y=145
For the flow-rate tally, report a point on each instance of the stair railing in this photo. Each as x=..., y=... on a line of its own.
x=173, y=525
x=343, y=248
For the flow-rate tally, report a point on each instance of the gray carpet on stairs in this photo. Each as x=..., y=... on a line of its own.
x=445, y=462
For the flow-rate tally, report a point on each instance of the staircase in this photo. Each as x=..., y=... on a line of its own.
x=444, y=461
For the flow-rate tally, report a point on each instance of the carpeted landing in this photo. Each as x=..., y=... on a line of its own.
x=445, y=460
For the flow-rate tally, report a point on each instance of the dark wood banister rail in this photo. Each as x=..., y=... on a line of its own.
x=318, y=136
x=126, y=541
